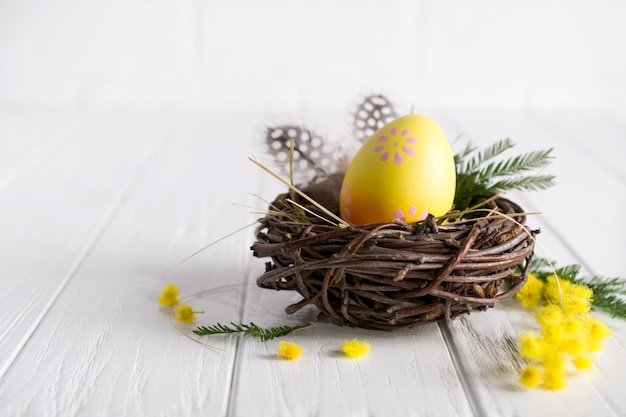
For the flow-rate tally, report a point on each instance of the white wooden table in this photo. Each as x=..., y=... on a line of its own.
x=93, y=202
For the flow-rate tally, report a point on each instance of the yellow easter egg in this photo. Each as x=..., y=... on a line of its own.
x=404, y=171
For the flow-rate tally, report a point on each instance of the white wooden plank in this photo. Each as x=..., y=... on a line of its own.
x=407, y=373
x=55, y=210
x=103, y=347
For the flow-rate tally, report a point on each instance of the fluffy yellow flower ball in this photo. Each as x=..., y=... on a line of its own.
x=354, y=348
x=289, y=350
x=185, y=313
x=532, y=292
x=169, y=295
x=530, y=377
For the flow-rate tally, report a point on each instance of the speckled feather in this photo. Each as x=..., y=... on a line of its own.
x=373, y=113
x=312, y=157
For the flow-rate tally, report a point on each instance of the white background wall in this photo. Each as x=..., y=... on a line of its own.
x=304, y=54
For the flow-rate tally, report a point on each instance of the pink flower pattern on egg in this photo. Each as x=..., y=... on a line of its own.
x=398, y=146
x=399, y=214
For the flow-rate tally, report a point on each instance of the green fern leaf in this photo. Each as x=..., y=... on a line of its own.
x=251, y=329
x=480, y=175
x=489, y=153
x=528, y=183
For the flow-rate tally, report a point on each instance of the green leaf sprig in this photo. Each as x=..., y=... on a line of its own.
x=609, y=294
x=252, y=329
x=480, y=175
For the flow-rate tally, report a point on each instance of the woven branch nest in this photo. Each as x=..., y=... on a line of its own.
x=395, y=275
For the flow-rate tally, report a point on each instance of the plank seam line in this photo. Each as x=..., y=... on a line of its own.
x=470, y=393
x=104, y=224
x=232, y=389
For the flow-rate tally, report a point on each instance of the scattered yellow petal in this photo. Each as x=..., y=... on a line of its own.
x=169, y=295
x=354, y=348
x=184, y=313
x=289, y=350
x=530, y=377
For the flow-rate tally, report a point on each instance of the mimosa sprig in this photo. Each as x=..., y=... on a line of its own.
x=609, y=294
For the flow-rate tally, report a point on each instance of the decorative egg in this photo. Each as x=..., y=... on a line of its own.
x=404, y=171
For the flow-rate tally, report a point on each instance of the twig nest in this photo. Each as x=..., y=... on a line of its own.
x=395, y=275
